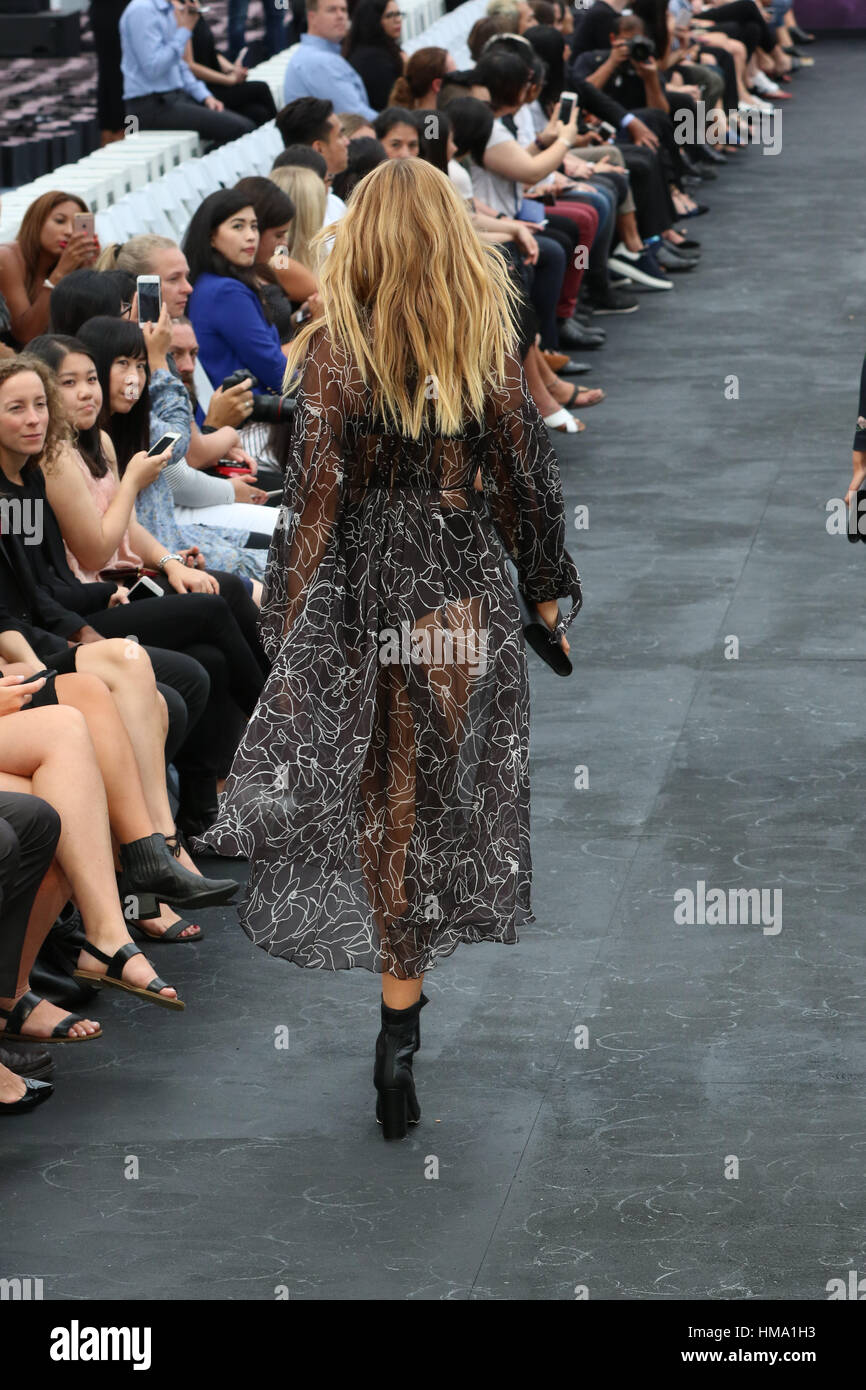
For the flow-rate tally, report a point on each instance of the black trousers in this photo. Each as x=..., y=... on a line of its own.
x=250, y=99
x=203, y=627
x=654, y=209
x=29, y=831
x=105, y=22
x=179, y=111
x=741, y=19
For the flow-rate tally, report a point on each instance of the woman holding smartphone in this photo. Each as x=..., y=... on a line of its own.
x=383, y=796
x=47, y=247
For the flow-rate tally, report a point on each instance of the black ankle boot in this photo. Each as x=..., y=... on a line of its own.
x=150, y=874
x=397, y=1104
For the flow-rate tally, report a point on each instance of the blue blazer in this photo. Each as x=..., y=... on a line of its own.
x=233, y=332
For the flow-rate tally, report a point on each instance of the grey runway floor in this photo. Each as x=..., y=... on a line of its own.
x=708, y=1140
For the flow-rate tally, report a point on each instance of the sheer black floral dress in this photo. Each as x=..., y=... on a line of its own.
x=381, y=789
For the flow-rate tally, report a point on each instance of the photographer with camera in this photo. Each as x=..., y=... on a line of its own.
x=629, y=73
x=159, y=89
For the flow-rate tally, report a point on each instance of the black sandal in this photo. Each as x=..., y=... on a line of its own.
x=172, y=933
x=113, y=975
x=15, y=1019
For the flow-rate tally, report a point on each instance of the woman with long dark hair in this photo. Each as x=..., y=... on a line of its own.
x=234, y=328
x=214, y=621
x=381, y=789
x=372, y=46
x=284, y=283
x=46, y=248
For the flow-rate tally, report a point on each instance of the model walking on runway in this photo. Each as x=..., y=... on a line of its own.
x=381, y=791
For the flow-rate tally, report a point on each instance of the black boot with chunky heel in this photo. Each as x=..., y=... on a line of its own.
x=150, y=873
x=397, y=1104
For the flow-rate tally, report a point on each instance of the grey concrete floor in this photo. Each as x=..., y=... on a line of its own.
x=709, y=1049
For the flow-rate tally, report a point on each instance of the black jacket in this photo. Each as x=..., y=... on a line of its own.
x=40, y=597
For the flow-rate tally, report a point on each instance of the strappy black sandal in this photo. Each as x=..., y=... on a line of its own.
x=114, y=973
x=15, y=1019
x=172, y=933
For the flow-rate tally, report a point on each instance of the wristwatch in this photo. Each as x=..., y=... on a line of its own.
x=161, y=564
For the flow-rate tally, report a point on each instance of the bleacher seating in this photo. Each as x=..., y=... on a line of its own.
x=154, y=181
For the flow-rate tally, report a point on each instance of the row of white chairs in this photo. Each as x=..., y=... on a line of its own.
x=105, y=176
x=450, y=31
x=166, y=205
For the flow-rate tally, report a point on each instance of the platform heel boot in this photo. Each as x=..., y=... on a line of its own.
x=397, y=1104
x=150, y=873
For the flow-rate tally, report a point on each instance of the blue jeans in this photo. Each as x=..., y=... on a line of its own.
x=275, y=26
x=780, y=8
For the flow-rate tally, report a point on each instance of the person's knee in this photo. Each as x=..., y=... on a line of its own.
x=127, y=659
x=10, y=854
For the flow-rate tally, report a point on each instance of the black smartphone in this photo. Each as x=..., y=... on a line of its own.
x=606, y=129
x=149, y=298
x=40, y=676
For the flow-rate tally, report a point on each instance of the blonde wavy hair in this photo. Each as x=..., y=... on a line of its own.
x=410, y=292
x=58, y=432
x=309, y=195
x=136, y=255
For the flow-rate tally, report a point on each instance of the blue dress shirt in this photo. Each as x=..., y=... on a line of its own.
x=319, y=70
x=152, y=47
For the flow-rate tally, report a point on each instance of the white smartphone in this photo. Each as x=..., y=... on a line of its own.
x=567, y=105
x=144, y=588
x=167, y=441
x=149, y=298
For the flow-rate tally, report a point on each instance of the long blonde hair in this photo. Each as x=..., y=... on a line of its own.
x=410, y=292
x=309, y=195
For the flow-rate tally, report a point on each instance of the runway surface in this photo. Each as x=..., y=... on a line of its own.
x=708, y=1139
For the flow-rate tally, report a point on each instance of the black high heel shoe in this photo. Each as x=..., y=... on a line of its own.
x=400, y=1038
x=150, y=874
x=36, y=1092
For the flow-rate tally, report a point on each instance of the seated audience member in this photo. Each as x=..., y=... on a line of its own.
x=420, y=83
x=485, y=29
x=46, y=249
x=372, y=46
x=307, y=192
x=318, y=69
x=354, y=127
x=276, y=36
x=141, y=372
x=515, y=13
x=311, y=121
x=218, y=628
x=285, y=283
x=159, y=89
x=399, y=132
x=364, y=155
x=227, y=80
x=233, y=327
x=82, y=295
x=49, y=754
x=537, y=265
x=32, y=576
x=199, y=493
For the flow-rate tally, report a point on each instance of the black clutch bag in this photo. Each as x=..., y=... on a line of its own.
x=538, y=635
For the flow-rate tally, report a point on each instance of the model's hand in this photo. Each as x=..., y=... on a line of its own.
x=550, y=616
x=858, y=464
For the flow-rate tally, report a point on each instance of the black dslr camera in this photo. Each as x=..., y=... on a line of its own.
x=268, y=408
x=640, y=48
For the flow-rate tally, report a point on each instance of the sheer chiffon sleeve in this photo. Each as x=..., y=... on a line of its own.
x=521, y=480
x=311, y=497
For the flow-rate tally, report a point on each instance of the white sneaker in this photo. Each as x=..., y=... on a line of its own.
x=761, y=83
x=756, y=104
